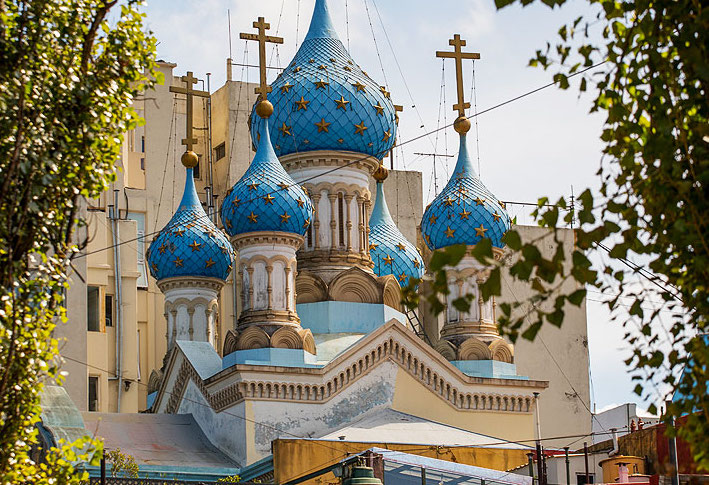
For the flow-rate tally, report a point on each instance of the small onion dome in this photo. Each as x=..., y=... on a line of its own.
x=324, y=101
x=190, y=244
x=391, y=252
x=465, y=211
x=266, y=198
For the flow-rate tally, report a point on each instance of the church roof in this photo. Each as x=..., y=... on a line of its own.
x=465, y=211
x=190, y=244
x=266, y=198
x=391, y=252
x=324, y=101
x=391, y=426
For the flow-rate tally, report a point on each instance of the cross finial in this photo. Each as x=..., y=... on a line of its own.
x=462, y=124
x=189, y=80
x=262, y=26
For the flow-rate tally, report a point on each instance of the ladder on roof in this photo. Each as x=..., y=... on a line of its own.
x=416, y=325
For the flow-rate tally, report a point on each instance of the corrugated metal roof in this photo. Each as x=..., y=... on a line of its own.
x=171, y=440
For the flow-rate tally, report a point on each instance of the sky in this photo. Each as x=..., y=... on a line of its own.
x=541, y=145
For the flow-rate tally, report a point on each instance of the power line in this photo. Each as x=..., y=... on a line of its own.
x=377, y=155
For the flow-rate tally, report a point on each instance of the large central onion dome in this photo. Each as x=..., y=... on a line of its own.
x=465, y=211
x=266, y=198
x=325, y=101
x=190, y=244
x=391, y=252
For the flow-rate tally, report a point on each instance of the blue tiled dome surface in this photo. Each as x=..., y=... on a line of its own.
x=266, y=198
x=391, y=252
x=190, y=244
x=323, y=58
x=465, y=211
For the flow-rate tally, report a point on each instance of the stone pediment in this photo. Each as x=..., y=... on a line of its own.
x=392, y=342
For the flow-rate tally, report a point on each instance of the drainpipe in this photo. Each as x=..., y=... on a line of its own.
x=114, y=215
x=568, y=472
x=210, y=193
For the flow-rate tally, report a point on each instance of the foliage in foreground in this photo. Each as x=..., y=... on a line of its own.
x=67, y=78
x=653, y=87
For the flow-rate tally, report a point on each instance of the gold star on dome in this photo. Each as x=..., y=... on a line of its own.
x=296, y=69
x=302, y=104
x=301, y=202
x=322, y=67
x=252, y=217
x=332, y=59
x=358, y=86
x=190, y=225
x=340, y=141
x=480, y=231
x=388, y=260
x=284, y=217
x=365, y=73
x=179, y=232
x=195, y=246
x=379, y=108
x=154, y=267
x=235, y=201
x=432, y=219
x=310, y=61
x=224, y=250
x=359, y=128
x=448, y=202
x=496, y=216
x=285, y=88
x=277, y=147
x=341, y=103
x=427, y=238
x=387, y=135
x=502, y=204
x=285, y=129
x=227, y=223
x=253, y=186
x=479, y=201
x=209, y=263
x=162, y=248
x=209, y=232
x=464, y=215
x=347, y=68
x=322, y=125
x=416, y=263
x=178, y=262
x=401, y=247
x=306, y=223
x=306, y=141
x=402, y=278
x=373, y=246
x=384, y=91
x=449, y=232
x=305, y=189
x=462, y=190
x=284, y=185
x=268, y=199
x=321, y=84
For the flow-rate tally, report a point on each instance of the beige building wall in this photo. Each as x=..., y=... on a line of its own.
x=149, y=182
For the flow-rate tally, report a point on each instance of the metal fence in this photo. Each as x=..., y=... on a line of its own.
x=150, y=481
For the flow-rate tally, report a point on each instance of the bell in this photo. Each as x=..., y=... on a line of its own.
x=362, y=475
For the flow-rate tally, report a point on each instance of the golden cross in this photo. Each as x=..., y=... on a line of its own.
x=459, y=55
x=189, y=80
x=397, y=109
x=262, y=38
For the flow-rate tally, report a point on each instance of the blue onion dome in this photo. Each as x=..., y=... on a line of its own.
x=324, y=101
x=266, y=198
x=391, y=252
x=190, y=244
x=465, y=211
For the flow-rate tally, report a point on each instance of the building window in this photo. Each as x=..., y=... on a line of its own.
x=108, y=310
x=195, y=171
x=139, y=219
x=581, y=478
x=341, y=217
x=93, y=308
x=220, y=151
x=142, y=144
x=93, y=393
x=142, y=163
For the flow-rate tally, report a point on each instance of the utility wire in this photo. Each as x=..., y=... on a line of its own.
x=377, y=155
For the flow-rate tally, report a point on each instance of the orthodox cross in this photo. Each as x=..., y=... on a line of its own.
x=189, y=80
x=459, y=55
x=262, y=38
x=397, y=109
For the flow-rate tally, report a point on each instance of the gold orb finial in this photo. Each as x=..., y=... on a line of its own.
x=462, y=125
x=381, y=173
x=264, y=108
x=190, y=159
